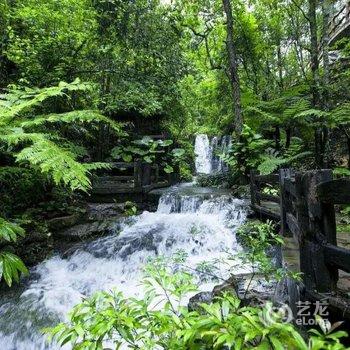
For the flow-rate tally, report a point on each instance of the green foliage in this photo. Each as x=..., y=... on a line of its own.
x=150, y=151
x=11, y=266
x=45, y=149
x=258, y=239
x=130, y=208
x=247, y=153
x=160, y=321
x=20, y=188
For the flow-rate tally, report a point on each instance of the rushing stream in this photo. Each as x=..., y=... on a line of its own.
x=199, y=221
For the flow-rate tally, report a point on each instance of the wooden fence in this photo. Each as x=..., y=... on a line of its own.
x=135, y=177
x=306, y=210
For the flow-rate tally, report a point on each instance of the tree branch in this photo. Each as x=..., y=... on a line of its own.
x=301, y=10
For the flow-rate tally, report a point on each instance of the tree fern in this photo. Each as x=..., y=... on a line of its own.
x=297, y=106
x=271, y=163
x=313, y=116
x=60, y=163
x=342, y=114
x=40, y=148
x=17, y=101
x=87, y=116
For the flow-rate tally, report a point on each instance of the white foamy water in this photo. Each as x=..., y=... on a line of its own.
x=203, y=154
x=207, y=151
x=203, y=226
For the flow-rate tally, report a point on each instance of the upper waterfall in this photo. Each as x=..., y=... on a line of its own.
x=207, y=151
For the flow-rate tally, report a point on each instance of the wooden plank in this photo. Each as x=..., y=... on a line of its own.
x=289, y=186
x=337, y=256
x=334, y=191
x=317, y=226
x=115, y=190
x=293, y=226
x=268, y=197
x=121, y=165
x=266, y=212
x=253, y=188
x=286, y=204
x=268, y=179
x=112, y=178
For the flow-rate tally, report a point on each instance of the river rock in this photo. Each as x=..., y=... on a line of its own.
x=85, y=231
x=199, y=298
x=229, y=286
x=63, y=222
x=103, y=211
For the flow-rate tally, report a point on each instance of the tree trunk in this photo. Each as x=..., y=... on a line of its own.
x=277, y=138
x=314, y=52
x=348, y=143
x=280, y=66
x=325, y=52
x=233, y=70
x=288, y=137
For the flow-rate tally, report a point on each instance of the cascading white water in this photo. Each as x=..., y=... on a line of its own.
x=207, y=151
x=203, y=154
x=201, y=225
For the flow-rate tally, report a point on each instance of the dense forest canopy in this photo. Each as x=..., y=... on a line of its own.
x=172, y=59
x=88, y=83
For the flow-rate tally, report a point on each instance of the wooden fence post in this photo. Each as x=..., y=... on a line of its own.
x=253, y=188
x=137, y=175
x=285, y=200
x=313, y=223
x=146, y=174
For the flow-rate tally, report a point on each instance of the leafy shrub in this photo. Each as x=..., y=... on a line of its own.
x=11, y=266
x=20, y=188
x=213, y=180
x=161, y=321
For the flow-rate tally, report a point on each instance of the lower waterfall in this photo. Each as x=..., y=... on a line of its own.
x=200, y=222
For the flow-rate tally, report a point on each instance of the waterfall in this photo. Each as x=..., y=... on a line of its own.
x=203, y=154
x=198, y=222
x=207, y=153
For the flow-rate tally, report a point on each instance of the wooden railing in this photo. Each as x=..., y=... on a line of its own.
x=307, y=212
x=257, y=183
x=135, y=177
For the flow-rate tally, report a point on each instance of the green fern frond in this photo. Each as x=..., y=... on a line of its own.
x=342, y=114
x=88, y=116
x=59, y=162
x=265, y=115
x=96, y=166
x=298, y=106
x=313, y=115
x=16, y=136
x=11, y=266
x=17, y=101
x=270, y=164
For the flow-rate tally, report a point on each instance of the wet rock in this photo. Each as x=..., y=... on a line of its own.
x=230, y=286
x=85, y=231
x=63, y=222
x=103, y=211
x=130, y=244
x=200, y=298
